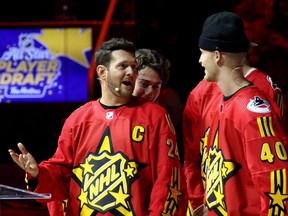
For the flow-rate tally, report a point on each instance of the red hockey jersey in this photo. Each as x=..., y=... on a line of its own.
x=121, y=161
x=247, y=161
x=201, y=104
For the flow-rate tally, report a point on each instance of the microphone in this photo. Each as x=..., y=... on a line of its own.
x=115, y=88
x=236, y=68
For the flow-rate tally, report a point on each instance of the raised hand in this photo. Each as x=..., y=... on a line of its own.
x=25, y=160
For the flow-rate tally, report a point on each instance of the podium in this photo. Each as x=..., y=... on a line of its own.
x=9, y=193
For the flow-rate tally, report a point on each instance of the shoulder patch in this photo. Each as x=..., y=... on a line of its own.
x=258, y=105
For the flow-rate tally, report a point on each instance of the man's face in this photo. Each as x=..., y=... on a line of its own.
x=121, y=73
x=148, y=84
x=207, y=60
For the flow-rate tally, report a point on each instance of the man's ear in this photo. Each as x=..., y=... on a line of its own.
x=101, y=71
x=218, y=58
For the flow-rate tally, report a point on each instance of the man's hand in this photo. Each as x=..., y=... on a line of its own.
x=202, y=210
x=25, y=160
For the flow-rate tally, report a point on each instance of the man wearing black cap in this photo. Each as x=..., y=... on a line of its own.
x=244, y=160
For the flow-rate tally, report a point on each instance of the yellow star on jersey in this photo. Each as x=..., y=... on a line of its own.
x=120, y=197
x=130, y=170
x=175, y=193
x=219, y=197
x=277, y=199
x=87, y=167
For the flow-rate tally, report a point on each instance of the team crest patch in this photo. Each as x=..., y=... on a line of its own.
x=258, y=105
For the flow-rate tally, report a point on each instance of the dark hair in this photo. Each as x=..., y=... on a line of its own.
x=103, y=54
x=154, y=60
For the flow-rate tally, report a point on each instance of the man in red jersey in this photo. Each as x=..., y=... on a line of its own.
x=223, y=57
x=116, y=155
x=197, y=115
x=153, y=74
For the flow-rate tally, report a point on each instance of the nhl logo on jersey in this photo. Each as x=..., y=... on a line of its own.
x=258, y=105
x=109, y=115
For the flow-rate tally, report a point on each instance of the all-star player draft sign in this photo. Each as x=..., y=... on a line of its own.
x=45, y=64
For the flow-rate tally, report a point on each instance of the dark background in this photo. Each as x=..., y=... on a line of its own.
x=171, y=27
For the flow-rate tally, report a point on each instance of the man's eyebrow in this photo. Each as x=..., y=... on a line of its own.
x=150, y=81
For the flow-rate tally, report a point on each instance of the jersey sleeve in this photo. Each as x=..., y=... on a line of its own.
x=192, y=154
x=57, y=170
x=200, y=107
x=266, y=154
x=169, y=190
